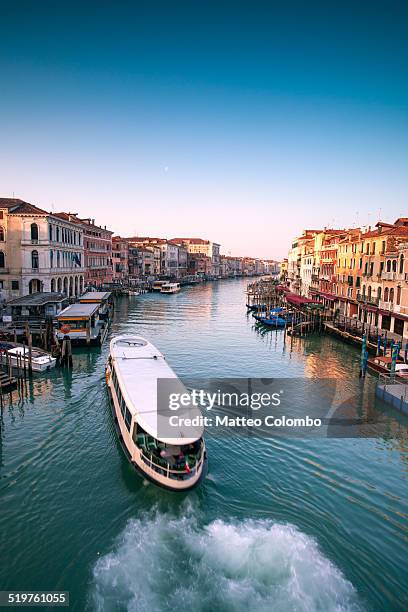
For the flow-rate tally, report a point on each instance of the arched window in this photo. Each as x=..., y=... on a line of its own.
x=52, y=285
x=392, y=295
x=2, y=260
x=398, y=295
x=386, y=294
x=51, y=259
x=369, y=292
x=379, y=293
x=389, y=265
x=401, y=263
x=34, y=259
x=364, y=289
x=1, y=234
x=394, y=265
x=34, y=231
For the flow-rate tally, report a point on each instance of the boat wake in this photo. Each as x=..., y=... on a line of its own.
x=165, y=563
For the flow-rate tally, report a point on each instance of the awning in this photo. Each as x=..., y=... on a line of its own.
x=298, y=300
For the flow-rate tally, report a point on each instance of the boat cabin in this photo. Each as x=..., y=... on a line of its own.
x=103, y=298
x=157, y=285
x=170, y=288
x=81, y=322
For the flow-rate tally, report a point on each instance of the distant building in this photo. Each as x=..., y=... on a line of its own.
x=203, y=247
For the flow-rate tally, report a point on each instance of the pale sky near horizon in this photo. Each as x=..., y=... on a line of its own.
x=241, y=123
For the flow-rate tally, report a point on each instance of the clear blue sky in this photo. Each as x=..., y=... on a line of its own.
x=238, y=122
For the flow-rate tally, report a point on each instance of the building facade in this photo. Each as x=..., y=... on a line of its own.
x=360, y=273
x=39, y=251
x=120, y=259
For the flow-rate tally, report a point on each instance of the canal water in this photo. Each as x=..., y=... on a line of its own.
x=278, y=524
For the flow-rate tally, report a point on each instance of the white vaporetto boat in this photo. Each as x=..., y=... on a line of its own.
x=170, y=288
x=175, y=460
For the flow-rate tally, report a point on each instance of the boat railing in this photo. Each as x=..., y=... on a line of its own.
x=163, y=467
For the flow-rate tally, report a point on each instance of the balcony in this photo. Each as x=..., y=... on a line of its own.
x=366, y=299
x=388, y=276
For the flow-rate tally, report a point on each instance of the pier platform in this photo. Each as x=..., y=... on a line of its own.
x=394, y=393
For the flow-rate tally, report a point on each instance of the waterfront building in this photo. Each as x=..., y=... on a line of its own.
x=199, y=264
x=294, y=276
x=97, y=249
x=120, y=259
x=283, y=270
x=306, y=266
x=39, y=251
x=360, y=273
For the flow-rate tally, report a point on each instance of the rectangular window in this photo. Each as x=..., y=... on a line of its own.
x=128, y=418
x=15, y=285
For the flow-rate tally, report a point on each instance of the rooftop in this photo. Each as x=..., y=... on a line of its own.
x=37, y=299
x=20, y=207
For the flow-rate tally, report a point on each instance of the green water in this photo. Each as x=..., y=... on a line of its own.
x=279, y=524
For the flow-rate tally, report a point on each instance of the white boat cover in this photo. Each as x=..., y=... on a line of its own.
x=139, y=365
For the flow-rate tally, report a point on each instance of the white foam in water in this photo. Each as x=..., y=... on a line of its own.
x=164, y=563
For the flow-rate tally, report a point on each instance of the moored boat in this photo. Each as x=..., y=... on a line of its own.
x=157, y=285
x=170, y=288
x=383, y=364
x=176, y=462
x=19, y=356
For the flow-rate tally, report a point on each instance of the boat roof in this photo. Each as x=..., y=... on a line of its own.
x=139, y=365
x=95, y=296
x=78, y=310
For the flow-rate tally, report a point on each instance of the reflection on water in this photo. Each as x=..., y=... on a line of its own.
x=327, y=517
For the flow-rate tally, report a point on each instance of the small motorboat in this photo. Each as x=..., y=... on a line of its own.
x=383, y=363
x=18, y=355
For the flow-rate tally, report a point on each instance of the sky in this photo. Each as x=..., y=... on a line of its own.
x=238, y=122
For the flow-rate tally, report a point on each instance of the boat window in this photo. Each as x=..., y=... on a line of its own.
x=131, y=343
x=128, y=418
x=122, y=405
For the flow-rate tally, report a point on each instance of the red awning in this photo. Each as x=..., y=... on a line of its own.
x=298, y=300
